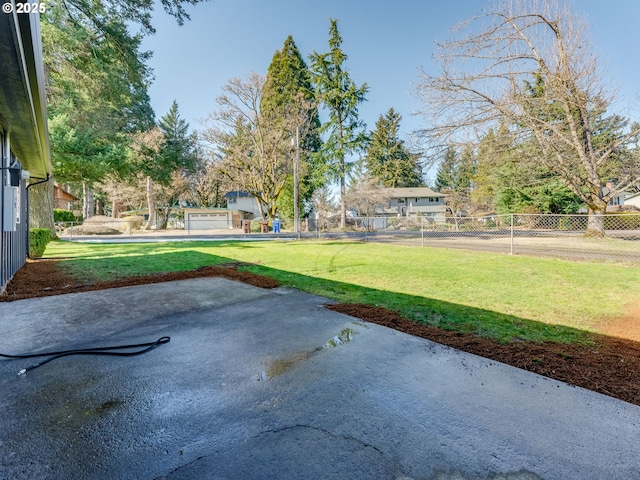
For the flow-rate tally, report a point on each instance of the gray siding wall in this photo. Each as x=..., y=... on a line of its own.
x=13, y=243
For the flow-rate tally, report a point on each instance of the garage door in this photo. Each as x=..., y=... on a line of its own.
x=207, y=221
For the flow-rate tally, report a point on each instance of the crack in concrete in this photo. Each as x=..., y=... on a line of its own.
x=398, y=475
x=331, y=434
x=177, y=469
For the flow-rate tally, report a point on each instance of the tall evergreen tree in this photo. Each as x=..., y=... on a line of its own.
x=340, y=96
x=388, y=159
x=455, y=171
x=288, y=81
x=97, y=96
x=97, y=87
x=178, y=149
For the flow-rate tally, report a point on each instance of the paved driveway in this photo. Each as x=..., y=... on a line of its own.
x=259, y=384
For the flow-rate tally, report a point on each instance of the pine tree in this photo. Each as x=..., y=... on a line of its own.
x=388, y=159
x=288, y=81
x=341, y=97
x=177, y=151
x=456, y=170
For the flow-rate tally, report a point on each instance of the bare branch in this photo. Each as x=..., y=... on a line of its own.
x=528, y=64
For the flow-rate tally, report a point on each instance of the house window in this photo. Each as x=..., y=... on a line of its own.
x=400, y=200
x=231, y=200
x=417, y=200
x=431, y=199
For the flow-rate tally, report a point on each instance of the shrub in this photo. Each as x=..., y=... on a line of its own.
x=287, y=223
x=89, y=229
x=60, y=215
x=255, y=226
x=38, y=239
x=133, y=223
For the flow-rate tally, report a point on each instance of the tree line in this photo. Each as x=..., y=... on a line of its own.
x=518, y=118
x=107, y=145
x=523, y=115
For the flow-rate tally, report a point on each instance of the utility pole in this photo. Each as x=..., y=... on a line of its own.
x=296, y=185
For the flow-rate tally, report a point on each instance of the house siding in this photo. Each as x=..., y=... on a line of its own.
x=406, y=202
x=633, y=200
x=244, y=202
x=13, y=241
x=23, y=133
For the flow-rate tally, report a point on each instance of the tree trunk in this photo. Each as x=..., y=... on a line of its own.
x=150, y=204
x=343, y=205
x=87, y=201
x=595, y=224
x=115, y=209
x=163, y=218
x=41, y=207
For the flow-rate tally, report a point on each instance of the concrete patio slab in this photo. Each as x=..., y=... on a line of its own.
x=263, y=384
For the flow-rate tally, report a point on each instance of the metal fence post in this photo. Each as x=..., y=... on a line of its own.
x=511, y=252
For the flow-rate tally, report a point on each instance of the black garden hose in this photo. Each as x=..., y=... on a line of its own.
x=146, y=347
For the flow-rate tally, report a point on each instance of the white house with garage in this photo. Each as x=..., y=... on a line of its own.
x=212, y=218
x=24, y=138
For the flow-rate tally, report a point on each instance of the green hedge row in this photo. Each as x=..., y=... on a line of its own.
x=60, y=215
x=38, y=239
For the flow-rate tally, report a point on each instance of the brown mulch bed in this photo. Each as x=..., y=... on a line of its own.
x=611, y=366
x=41, y=278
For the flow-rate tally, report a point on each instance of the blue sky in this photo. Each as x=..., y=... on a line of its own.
x=386, y=42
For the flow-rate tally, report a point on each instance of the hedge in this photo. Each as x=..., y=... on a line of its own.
x=60, y=215
x=38, y=239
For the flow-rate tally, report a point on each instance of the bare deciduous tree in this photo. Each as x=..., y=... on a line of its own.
x=324, y=207
x=365, y=194
x=128, y=194
x=530, y=66
x=167, y=196
x=207, y=185
x=146, y=148
x=255, y=146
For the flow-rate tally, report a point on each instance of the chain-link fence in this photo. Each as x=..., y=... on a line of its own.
x=560, y=236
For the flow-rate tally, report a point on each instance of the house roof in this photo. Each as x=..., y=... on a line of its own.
x=207, y=209
x=416, y=192
x=23, y=111
x=60, y=192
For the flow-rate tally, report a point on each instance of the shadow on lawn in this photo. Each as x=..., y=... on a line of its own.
x=437, y=313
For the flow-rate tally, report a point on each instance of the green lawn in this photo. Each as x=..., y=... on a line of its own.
x=494, y=295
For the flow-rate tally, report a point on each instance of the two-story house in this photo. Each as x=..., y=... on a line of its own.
x=413, y=201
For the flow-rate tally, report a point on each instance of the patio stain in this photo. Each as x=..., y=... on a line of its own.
x=281, y=365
